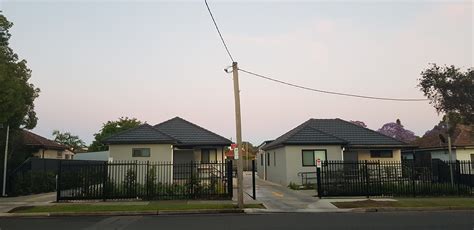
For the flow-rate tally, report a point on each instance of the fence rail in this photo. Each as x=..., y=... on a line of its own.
x=406, y=178
x=144, y=180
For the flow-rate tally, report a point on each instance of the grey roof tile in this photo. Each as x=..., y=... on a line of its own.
x=188, y=133
x=142, y=134
x=333, y=131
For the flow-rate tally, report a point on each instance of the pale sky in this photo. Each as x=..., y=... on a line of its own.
x=154, y=60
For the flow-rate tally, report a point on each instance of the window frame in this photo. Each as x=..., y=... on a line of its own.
x=134, y=149
x=314, y=156
x=209, y=154
x=380, y=153
x=261, y=159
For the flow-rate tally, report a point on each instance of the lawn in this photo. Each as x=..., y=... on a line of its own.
x=410, y=202
x=125, y=207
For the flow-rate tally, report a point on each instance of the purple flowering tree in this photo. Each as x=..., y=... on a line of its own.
x=397, y=131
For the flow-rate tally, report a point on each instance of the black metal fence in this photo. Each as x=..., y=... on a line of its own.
x=35, y=175
x=144, y=180
x=406, y=178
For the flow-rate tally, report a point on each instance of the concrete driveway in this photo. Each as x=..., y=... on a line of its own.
x=278, y=198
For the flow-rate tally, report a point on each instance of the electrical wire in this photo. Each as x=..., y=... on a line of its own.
x=332, y=92
x=219, y=32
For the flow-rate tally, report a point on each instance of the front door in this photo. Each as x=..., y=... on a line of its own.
x=350, y=156
x=182, y=163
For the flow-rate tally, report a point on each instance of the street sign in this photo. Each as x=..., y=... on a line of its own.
x=318, y=163
x=236, y=153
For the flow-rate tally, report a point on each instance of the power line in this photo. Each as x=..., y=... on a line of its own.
x=219, y=32
x=331, y=92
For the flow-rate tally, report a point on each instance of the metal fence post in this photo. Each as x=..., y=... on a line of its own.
x=58, y=185
x=230, y=186
x=105, y=178
x=253, y=180
x=367, y=178
x=413, y=177
x=318, y=182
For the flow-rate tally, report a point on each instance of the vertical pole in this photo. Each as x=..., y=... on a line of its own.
x=318, y=182
x=105, y=177
x=5, y=160
x=450, y=151
x=58, y=186
x=240, y=174
x=253, y=180
x=230, y=186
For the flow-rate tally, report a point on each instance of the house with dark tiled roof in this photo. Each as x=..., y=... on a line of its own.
x=175, y=140
x=434, y=145
x=294, y=153
x=42, y=147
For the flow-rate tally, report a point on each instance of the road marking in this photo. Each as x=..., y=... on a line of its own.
x=277, y=194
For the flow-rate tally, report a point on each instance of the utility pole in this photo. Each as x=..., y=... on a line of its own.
x=5, y=159
x=240, y=171
x=450, y=151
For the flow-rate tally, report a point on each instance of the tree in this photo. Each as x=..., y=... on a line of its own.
x=16, y=93
x=450, y=91
x=397, y=131
x=73, y=142
x=359, y=123
x=110, y=128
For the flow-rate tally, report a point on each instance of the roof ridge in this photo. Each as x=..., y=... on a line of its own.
x=190, y=123
x=373, y=131
x=136, y=127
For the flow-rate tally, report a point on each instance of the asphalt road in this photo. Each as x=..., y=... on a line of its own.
x=458, y=220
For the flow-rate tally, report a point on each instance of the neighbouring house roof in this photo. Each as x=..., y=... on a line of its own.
x=265, y=143
x=333, y=131
x=37, y=141
x=188, y=133
x=463, y=136
x=175, y=131
x=142, y=134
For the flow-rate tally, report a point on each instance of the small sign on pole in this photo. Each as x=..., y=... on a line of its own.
x=236, y=153
x=318, y=163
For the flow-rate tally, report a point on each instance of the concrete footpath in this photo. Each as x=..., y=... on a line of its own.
x=9, y=203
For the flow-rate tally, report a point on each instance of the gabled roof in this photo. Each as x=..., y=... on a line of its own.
x=142, y=134
x=333, y=131
x=35, y=140
x=188, y=133
x=463, y=136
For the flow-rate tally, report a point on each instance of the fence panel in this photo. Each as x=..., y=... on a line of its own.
x=406, y=178
x=145, y=180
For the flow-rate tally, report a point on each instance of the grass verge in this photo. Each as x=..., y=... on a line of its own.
x=122, y=207
x=410, y=203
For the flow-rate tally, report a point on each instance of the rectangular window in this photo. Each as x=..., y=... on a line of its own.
x=261, y=159
x=59, y=154
x=274, y=159
x=141, y=152
x=381, y=154
x=208, y=155
x=268, y=159
x=309, y=156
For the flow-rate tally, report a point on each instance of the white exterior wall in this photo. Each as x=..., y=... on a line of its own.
x=258, y=162
x=276, y=171
x=294, y=159
x=464, y=154
x=54, y=154
x=158, y=152
x=364, y=154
